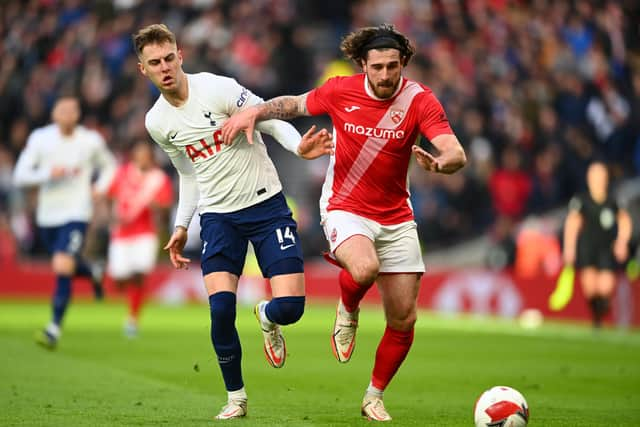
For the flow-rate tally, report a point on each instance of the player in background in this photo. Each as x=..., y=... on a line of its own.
x=61, y=159
x=142, y=193
x=239, y=196
x=596, y=240
x=377, y=116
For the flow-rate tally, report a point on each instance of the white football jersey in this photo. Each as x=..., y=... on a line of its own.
x=231, y=177
x=81, y=154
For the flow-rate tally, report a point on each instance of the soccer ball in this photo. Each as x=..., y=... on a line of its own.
x=501, y=406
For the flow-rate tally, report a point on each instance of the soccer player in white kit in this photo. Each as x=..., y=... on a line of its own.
x=237, y=191
x=378, y=116
x=61, y=159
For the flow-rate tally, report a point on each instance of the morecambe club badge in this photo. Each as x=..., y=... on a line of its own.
x=396, y=115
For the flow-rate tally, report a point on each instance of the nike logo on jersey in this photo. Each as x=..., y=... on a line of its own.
x=352, y=108
x=284, y=247
x=173, y=136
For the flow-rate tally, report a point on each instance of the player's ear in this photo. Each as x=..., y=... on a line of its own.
x=141, y=69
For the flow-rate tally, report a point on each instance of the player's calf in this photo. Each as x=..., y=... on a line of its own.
x=97, y=280
x=284, y=310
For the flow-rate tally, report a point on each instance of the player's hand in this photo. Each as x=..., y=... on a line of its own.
x=426, y=160
x=243, y=121
x=620, y=250
x=175, y=246
x=314, y=145
x=57, y=172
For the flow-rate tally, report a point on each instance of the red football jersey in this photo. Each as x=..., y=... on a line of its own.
x=134, y=192
x=373, y=140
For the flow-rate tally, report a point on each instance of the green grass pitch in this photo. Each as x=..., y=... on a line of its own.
x=168, y=376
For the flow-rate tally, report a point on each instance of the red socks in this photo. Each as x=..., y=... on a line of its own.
x=136, y=295
x=392, y=350
x=351, y=292
x=394, y=345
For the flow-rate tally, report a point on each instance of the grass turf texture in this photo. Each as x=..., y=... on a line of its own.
x=168, y=376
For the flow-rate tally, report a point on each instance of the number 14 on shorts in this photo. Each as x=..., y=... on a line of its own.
x=286, y=238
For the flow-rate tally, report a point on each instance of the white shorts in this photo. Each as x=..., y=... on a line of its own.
x=132, y=255
x=397, y=246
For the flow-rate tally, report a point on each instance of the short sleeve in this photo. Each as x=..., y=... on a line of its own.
x=434, y=120
x=230, y=95
x=319, y=99
x=576, y=204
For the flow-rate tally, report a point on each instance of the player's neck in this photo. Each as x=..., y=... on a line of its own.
x=180, y=95
x=372, y=94
x=598, y=196
x=66, y=132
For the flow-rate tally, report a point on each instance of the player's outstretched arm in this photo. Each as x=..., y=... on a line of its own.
x=621, y=244
x=451, y=155
x=282, y=107
x=175, y=245
x=572, y=225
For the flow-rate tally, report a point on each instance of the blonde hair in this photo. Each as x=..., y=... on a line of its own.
x=152, y=34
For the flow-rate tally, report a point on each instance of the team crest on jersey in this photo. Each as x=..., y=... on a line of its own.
x=334, y=235
x=396, y=115
x=207, y=115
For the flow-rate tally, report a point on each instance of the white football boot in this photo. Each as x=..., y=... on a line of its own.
x=343, y=340
x=233, y=409
x=275, y=349
x=373, y=409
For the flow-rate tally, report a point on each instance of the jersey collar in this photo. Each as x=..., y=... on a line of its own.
x=369, y=92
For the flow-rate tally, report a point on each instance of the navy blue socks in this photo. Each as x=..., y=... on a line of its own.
x=61, y=298
x=224, y=338
x=82, y=268
x=285, y=310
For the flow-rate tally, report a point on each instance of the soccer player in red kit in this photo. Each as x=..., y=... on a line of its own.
x=139, y=190
x=378, y=116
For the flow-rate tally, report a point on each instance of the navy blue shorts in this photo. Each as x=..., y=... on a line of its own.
x=67, y=238
x=269, y=226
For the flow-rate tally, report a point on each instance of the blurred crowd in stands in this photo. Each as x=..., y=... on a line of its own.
x=534, y=90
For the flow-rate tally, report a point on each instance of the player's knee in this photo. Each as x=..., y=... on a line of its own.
x=403, y=321
x=62, y=264
x=365, y=273
x=223, y=308
x=286, y=310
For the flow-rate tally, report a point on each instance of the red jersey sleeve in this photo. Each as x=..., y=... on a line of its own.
x=319, y=99
x=434, y=120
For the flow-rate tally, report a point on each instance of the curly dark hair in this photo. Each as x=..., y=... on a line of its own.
x=357, y=44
